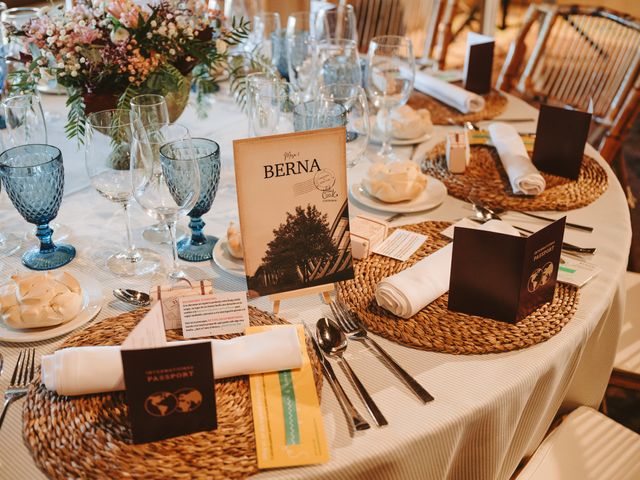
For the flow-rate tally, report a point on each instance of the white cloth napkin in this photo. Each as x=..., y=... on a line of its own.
x=523, y=175
x=85, y=370
x=406, y=293
x=452, y=95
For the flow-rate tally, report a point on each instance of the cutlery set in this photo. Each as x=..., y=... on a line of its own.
x=331, y=340
x=23, y=374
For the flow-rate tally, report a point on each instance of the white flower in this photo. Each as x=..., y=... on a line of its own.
x=221, y=46
x=74, y=73
x=119, y=35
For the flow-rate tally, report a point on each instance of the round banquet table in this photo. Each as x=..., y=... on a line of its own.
x=489, y=412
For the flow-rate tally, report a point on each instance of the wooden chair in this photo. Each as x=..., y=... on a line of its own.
x=426, y=22
x=580, y=54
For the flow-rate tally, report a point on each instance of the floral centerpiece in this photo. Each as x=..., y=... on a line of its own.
x=106, y=52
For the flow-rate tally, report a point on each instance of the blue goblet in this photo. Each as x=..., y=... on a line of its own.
x=199, y=247
x=33, y=176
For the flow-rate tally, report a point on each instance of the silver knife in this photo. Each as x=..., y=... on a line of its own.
x=354, y=419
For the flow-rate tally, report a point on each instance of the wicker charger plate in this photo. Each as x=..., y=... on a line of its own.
x=90, y=437
x=435, y=327
x=443, y=114
x=485, y=178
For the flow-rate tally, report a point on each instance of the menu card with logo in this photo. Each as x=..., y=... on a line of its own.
x=478, y=63
x=294, y=219
x=504, y=277
x=561, y=136
x=170, y=391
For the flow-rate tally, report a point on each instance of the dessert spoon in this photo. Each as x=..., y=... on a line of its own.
x=132, y=297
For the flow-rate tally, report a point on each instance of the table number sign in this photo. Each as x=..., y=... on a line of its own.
x=478, y=63
x=292, y=198
x=170, y=391
x=501, y=276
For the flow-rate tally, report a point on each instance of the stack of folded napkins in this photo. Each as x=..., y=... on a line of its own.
x=86, y=370
x=452, y=95
x=395, y=182
x=406, y=123
x=406, y=293
x=523, y=175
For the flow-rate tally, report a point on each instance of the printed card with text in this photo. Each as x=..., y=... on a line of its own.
x=294, y=219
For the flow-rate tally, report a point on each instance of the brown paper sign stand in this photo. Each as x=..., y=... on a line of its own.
x=323, y=290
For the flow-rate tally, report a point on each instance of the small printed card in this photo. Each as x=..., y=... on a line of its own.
x=286, y=415
x=478, y=63
x=577, y=272
x=167, y=296
x=401, y=244
x=215, y=314
x=504, y=277
x=561, y=136
x=170, y=391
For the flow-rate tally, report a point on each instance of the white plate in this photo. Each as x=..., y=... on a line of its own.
x=431, y=197
x=399, y=142
x=225, y=260
x=91, y=304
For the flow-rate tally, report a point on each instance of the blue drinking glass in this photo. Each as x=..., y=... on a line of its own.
x=33, y=176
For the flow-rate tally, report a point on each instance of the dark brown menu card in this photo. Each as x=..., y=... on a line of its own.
x=170, y=391
x=292, y=200
x=504, y=277
x=561, y=136
x=478, y=64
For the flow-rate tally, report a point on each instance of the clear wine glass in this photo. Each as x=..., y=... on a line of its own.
x=165, y=176
x=302, y=53
x=107, y=158
x=339, y=62
x=354, y=100
x=152, y=109
x=9, y=242
x=265, y=25
x=25, y=122
x=390, y=76
x=33, y=176
x=336, y=23
x=272, y=103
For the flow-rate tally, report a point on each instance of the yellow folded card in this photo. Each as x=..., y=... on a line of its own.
x=286, y=414
x=482, y=137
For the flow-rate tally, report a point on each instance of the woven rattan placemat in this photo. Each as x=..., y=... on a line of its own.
x=89, y=436
x=442, y=114
x=486, y=179
x=435, y=327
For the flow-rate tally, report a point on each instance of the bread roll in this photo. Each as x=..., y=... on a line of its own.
x=234, y=241
x=395, y=182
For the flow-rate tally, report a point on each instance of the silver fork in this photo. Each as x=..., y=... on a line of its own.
x=353, y=327
x=23, y=374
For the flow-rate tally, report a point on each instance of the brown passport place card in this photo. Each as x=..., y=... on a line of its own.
x=478, y=63
x=292, y=200
x=169, y=391
x=561, y=136
x=504, y=277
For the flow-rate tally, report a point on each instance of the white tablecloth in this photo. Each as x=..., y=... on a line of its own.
x=489, y=410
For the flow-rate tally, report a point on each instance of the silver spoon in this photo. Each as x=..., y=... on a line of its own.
x=333, y=342
x=132, y=297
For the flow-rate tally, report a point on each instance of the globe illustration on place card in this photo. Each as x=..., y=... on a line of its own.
x=292, y=200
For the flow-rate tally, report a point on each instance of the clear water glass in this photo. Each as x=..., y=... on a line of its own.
x=354, y=100
x=25, y=121
x=33, y=176
x=317, y=114
x=302, y=54
x=152, y=109
x=107, y=160
x=165, y=177
x=264, y=25
x=9, y=242
x=272, y=103
x=390, y=76
x=336, y=23
x=339, y=62
x=198, y=247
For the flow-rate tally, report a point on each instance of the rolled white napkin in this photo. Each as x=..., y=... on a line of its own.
x=406, y=293
x=452, y=95
x=85, y=370
x=523, y=175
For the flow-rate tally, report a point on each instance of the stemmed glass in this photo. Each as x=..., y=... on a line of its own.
x=152, y=109
x=165, y=176
x=302, y=53
x=336, y=23
x=339, y=62
x=354, y=100
x=265, y=27
x=272, y=102
x=107, y=158
x=199, y=247
x=391, y=72
x=9, y=243
x=33, y=176
x=25, y=120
